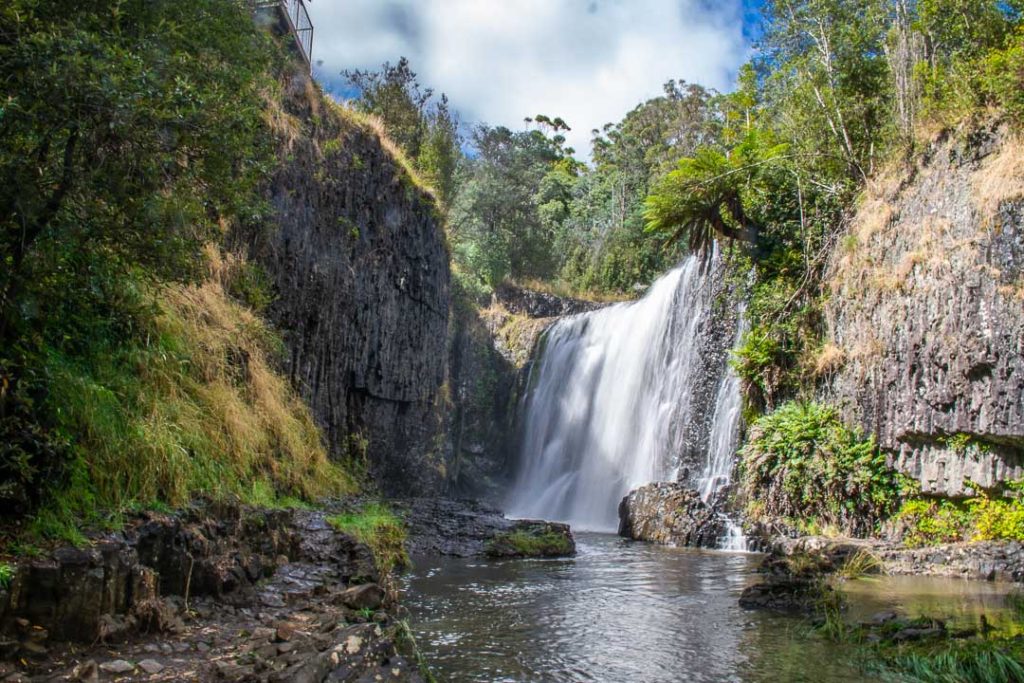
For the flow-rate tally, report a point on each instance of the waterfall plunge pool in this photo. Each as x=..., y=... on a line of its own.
x=623, y=611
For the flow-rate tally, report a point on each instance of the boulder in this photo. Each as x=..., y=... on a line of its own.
x=533, y=538
x=670, y=513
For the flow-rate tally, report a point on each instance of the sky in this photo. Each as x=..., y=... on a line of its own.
x=588, y=61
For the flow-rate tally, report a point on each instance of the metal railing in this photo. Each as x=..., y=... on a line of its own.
x=299, y=24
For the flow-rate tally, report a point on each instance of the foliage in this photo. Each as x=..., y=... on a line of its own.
x=376, y=525
x=929, y=522
x=999, y=518
x=706, y=198
x=426, y=131
x=801, y=461
x=922, y=522
x=989, y=661
x=512, y=198
x=134, y=136
x=861, y=563
x=6, y=575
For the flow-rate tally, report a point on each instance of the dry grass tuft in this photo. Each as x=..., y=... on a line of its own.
x=1000, y=179
x=829, y=359
x=375, y=125
x=286, y=127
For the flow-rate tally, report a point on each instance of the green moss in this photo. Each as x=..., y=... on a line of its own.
x=542, y=542
x=380, y=529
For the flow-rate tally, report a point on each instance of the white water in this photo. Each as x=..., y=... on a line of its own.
x=725, y=434
x=608, y=404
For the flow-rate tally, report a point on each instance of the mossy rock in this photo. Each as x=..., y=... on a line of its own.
x=532, y=539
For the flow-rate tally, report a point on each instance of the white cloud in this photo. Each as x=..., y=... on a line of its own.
x=588, y=61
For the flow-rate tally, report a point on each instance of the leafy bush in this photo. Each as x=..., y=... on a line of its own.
x=928, y=522
x=999, y=518
x=380, y=529
x=6, y=575
x=922, y=522
x=801, y=461
x=1002, y=77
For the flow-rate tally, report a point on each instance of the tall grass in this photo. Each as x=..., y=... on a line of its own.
x=195, y=408
x=984, y=663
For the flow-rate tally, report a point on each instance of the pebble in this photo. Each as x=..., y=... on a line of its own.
x=151, y=666
x=117, y=666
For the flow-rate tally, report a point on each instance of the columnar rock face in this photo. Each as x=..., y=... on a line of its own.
x=358, y=259
x=927, y=314
x=669, y=513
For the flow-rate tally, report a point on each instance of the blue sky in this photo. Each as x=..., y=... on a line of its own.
x=588, y=61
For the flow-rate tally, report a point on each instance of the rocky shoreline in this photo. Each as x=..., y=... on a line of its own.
x=230, y=593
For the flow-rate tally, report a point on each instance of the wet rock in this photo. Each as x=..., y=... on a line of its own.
x=368, y=596
x=284, y=632
x=86, y=672
x=783, y=594
x=911, y=634
x=884, y=617
x=117, y=666
x=441, y=526
x=669, y=513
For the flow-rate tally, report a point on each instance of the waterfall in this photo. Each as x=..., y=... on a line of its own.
x=609, y=402
x=722, y=445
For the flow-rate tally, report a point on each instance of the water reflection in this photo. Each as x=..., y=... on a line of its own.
x=619, y=612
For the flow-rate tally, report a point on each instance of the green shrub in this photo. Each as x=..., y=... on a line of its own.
x=923, y=522
x=380, y=529
x=998, y=518
x=6, y=575
x=801, y=461
x=1002, y=77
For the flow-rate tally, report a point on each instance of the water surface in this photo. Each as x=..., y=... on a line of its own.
x=620, y=611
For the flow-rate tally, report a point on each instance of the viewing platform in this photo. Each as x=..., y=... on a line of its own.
x=290, y=16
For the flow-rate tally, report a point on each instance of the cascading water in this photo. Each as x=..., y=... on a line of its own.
x=725, y=435
x=609, y=402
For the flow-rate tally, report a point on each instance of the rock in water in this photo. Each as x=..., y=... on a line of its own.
x=669, y=513
x=533, y=538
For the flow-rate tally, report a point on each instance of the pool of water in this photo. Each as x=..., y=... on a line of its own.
x=622, y=612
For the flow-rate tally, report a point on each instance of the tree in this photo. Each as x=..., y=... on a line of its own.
x=427, y=131
x=705, y=198
x=130, y=134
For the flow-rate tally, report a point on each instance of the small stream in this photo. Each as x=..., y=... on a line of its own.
x=632, y=612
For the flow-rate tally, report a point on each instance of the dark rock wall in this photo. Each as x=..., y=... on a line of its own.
x=927, y=314
x=359, y=262
x=491, y=354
